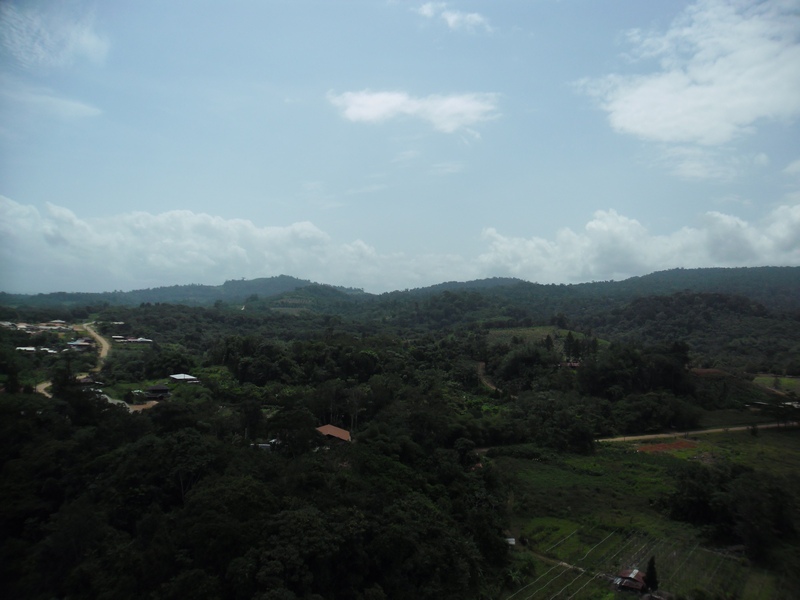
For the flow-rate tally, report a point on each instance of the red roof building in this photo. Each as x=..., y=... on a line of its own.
x=336, y=432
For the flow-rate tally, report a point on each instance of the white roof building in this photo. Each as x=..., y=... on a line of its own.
x=183, y=377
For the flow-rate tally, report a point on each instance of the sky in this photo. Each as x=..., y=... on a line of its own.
x=388, y=145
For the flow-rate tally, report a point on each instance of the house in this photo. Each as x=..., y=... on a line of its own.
x=335, y=433
x=157, y=392
x=183, y=378
x=631, y=580
x=81, y=345
x=131, y=340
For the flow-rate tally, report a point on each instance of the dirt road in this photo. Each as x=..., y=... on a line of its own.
x=482, y=376
x=105, y=345
x=105, y=348
x=661, y=436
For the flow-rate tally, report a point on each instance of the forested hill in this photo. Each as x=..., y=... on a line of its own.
x=777, y=288
x=774, y=287
x=192, y=295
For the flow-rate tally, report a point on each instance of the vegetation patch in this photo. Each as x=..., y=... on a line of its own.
x=667, y=446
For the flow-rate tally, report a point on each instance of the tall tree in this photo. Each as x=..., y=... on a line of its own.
x=651, y=576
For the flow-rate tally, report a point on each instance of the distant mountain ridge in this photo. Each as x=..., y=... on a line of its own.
x=774, y=287
x=235, y=291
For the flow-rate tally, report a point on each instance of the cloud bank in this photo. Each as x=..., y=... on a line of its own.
x=447, y=113
x=56, y=250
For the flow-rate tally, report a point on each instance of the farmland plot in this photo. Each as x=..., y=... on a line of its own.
x=583, y=565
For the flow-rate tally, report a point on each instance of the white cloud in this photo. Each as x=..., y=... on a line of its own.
x=50, y=37
x=692, y=162
x=724, y=65
x=612, y=246
x=430, y=9
x=704, y=163
x=455, y=19
x=55, y=249
x=446, y=113
x=460, y=20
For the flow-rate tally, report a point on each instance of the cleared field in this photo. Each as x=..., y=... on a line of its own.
x=783, y=384
x=579, y=520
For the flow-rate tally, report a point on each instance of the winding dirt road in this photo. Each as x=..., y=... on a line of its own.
x=105, y=347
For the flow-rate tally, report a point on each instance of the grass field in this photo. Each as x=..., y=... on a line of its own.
x=579, y=520
x=731, y=417
x=783, y=384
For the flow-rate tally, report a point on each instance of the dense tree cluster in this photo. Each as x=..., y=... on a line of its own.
x=99, y=503
x=733, y=505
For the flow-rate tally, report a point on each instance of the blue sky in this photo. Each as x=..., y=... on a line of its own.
x=389, y=145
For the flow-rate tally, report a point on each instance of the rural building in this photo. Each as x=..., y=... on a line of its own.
x=131, y=340
x=184, y=378
x=631, y=580
x=81, y=345
x=156, y=392
x=335, y=433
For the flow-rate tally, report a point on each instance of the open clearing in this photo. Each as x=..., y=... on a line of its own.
x=668, y=446
x=579, y=520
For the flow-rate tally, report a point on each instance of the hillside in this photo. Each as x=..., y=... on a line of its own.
x=776, y=288
x=234, y=291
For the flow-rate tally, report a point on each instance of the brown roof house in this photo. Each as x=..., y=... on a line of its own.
x=335, y=433
x=631, y=580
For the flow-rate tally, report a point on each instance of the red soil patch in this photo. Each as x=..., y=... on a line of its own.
x=667, y=447
x=141, y=407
